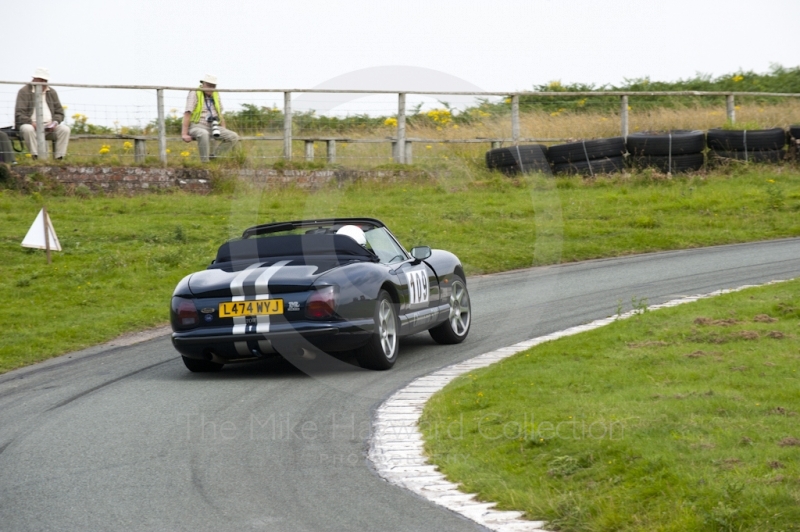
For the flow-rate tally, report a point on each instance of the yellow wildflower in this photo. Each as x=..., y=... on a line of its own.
x=737, y=78
x=169, y=150
x=391, y=121
x=127, y=145
x=184, y=154
x=427, y=146
x=28, y=155
x=105, y=148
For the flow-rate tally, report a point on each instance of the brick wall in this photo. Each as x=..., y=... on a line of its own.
x=199, y=180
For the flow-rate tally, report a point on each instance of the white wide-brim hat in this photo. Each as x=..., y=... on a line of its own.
x=42, y=73
x=209, y=78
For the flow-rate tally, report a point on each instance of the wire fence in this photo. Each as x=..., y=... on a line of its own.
x=142, y=124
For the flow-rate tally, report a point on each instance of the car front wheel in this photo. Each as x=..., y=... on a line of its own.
x=455, y=329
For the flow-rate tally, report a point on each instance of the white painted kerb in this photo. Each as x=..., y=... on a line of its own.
x=396, y=444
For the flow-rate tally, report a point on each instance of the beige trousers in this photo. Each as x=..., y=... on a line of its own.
x=202, y=134
x=60, y=134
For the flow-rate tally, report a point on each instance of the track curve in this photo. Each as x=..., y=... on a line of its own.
x=125, y=438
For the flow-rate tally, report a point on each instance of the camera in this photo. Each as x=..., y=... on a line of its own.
x=214, y=122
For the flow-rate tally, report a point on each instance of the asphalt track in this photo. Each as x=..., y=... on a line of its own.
x=125, y=438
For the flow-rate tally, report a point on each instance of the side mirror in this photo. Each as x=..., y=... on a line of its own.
x=421, y=252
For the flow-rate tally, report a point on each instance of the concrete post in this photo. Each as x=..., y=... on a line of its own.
x=730, y=108
x=162, y=129
x=287, y=125
x=623, y=115
x=40, y=133
x=401, y=128
x=515, y=118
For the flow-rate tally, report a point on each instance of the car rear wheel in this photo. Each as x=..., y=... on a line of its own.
x=381, y=351
x=455, y=329
x=201, y=366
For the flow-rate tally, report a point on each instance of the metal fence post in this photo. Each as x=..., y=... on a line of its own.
x=162, y=128
x=399, y=151
x=309, y=145
x=409, y=156
x=731, y=108
x=41, y=144
x=623, y=115
x=287, y=125
x=515, y=118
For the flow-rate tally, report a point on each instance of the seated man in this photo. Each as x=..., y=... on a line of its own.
x=52, y=116
x=203, y=119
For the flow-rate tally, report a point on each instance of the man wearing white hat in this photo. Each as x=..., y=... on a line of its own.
x=52, y=116
x=203, y=120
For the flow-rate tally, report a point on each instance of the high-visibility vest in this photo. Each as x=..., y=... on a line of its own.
x=201, y=99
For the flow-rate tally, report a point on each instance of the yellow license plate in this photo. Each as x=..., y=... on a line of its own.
x=238, y=309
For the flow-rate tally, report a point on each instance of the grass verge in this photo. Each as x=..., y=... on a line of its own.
x=680, y=419
x=122, y=256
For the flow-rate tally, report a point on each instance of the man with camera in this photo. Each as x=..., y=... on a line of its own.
x=203, y=121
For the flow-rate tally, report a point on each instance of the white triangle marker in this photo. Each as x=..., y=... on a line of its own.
x=35, y=237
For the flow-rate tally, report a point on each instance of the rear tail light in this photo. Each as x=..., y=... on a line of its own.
x=322, y=303
x=184, y=314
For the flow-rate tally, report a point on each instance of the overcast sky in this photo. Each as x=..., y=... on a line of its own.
x=495, y=45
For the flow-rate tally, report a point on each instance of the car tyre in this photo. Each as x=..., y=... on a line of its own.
x=456, y=328
x=746, y=140
x=380, y=352
x=678, y=142
x=201, y=366
x=588, y=150
x=677, y=163
x=596, y=166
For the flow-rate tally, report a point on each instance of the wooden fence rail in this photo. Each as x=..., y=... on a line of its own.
x=401, y=145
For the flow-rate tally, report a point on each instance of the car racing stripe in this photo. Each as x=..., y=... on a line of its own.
x=262, y=292
x=237, y=291
x=260, y=287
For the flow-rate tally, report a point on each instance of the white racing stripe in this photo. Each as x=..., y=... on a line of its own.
x=237, y=290
x=262, y=292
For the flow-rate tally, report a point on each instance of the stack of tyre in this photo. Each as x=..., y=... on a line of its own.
x=588, y=157
x=755, y=145
x=669, y=152
x=519, y=159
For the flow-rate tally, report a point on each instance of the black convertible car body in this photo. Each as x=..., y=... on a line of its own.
x=343, y=284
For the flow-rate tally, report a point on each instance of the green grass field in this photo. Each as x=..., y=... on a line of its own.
x=122, y=256
x=681, y=419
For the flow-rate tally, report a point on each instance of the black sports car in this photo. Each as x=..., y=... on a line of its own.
x=343, y=284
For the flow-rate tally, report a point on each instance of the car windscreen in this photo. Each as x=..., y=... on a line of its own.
x=384, y=246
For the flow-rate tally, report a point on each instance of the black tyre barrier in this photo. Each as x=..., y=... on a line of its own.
x=744, y=140
x=542, y=167
x=597, y=166
x=587, y=150
x=519, y=159
x=672, y=164
x=516, y=155
x=679, y=142
x=756, y=156
x=794, y=132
